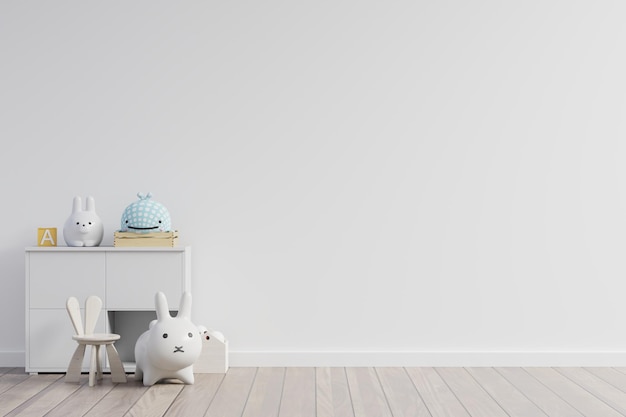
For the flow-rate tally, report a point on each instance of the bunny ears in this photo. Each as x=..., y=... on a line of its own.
x=77, y=204
x=163, y=311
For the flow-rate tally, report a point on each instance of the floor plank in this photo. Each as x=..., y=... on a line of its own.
x=156, y=400
x=12, y=377
x=45, y=400
x=119, y=400
x=474, y=398
x=579, y=398
x=25, y=391
x=598, y=387
x=230, y=399
x=332, y=393
x=610, y=375
x=298, y=398
x=368, y=397
x=403, y=398
x=195, y=399
x=439, y=399
x=82, y=400
x=549, y=402
x=505, y=394
x=266, y=393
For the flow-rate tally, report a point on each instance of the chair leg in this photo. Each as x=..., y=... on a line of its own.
x=117, y=368
x=76, y=365
x=94, y=365
x=99, y=363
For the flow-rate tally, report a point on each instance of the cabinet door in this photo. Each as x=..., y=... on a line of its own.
x=133, y=278
x=50, y=340
x=54, y=276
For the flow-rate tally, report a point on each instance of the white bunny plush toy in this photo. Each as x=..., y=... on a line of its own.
x=83, y=227
x=171, y=345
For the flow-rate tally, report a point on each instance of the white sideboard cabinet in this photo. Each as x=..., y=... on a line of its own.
x=126, y=279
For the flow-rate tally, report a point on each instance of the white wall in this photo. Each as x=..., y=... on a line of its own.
x=421, y=182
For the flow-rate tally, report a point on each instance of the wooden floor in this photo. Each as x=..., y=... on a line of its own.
x=326, y=392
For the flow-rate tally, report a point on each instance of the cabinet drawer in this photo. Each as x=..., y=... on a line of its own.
x=53, y=277
x=134, y=278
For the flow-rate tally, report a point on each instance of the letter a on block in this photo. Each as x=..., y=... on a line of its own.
x=47, y=236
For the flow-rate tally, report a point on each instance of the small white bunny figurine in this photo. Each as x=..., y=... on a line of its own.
x=171, y=345
x=83, y=227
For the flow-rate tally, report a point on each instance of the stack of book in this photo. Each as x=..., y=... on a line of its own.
x=155, y=239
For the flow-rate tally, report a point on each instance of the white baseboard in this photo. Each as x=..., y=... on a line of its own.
x=427, y=358
x=407, y=358
x=12, y=359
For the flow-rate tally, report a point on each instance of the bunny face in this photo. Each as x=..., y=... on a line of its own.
x=84, y=222
x=175, y=343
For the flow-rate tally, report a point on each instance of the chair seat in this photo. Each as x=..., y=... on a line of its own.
x=97, y=338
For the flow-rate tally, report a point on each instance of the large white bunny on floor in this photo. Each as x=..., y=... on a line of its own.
x=83, y=227
x=171, y=345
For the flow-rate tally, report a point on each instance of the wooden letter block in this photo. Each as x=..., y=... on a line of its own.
x=47, y=236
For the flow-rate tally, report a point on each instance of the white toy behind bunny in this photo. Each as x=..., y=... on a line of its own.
x=171, y=345
x=83, y=227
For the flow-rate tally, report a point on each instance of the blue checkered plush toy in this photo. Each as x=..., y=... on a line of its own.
x=146, y=216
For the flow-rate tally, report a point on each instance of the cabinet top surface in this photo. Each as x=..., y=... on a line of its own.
x=104, y=249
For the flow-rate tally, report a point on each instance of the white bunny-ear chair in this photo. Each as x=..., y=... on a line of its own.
x=86, y=337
